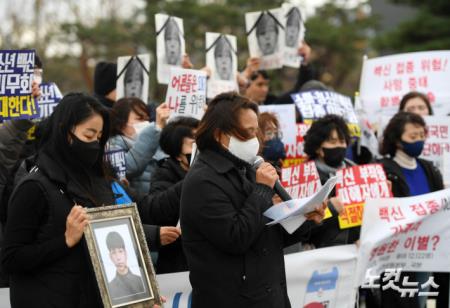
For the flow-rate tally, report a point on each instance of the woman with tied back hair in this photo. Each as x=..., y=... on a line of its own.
x=43, y=249
x=402, y=143
x=133, y=133
x=234, y=259
x=417, y=103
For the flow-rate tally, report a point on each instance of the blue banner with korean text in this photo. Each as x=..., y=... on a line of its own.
x=16, y=78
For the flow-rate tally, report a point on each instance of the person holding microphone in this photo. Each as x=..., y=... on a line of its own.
x=234, y=259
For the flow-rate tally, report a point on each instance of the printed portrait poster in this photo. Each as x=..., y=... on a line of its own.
x=221, y=59
x=16, y=78
x=49, y=99
x=265, y=35
x=170, y=45
x=294, y=33
x=133, y=74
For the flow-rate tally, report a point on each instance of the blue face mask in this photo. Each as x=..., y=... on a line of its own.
x=413, y=149
x=273, y=150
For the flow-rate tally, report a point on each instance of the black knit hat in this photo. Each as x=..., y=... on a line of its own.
x=105, y=78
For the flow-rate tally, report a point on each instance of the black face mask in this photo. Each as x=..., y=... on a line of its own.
x=334, y=157
x=86, y=152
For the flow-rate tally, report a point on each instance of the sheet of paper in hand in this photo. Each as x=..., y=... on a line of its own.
x=170, y=45
x=354, y=186
x=265, y=35
x=221, y=59
x=133, y=76
x=294, y=29
x=186, y=93
x=290, y=214
x=301, y=181
x=16, y=78
x=315, y=104
x=49, y=99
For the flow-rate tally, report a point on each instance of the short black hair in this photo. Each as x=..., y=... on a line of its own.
x=321, y=130
x=114, y=241
x=393, y=132
x=414, y=94
x=172, y=135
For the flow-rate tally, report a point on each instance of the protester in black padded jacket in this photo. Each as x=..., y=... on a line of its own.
x=162, y=205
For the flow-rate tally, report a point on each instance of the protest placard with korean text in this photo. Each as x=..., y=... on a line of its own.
x=385, y=80
x=354, y=186
x=294, y=152
x=410, y=233
x=186, y=92
x=301, y=181
x=16, y=77
x=116, y=157
x=49, y=99
x=314, y=105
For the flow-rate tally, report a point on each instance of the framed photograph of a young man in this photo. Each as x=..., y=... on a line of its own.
x=120, y=257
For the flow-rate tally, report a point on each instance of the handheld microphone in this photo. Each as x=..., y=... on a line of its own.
x=278, y=188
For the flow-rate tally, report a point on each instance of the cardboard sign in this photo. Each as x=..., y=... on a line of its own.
x=170, y=45
x=133, y=76
x=294, y=152
x=221, y=59
x=354, y=186
x=49, y=99
x=186, y=93
x=411, y=234
x=385, y=80
x=301, y=181
x=314, y=105
x=16, y=78
x=265, y=34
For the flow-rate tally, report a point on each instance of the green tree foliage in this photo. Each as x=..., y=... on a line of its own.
x=428, y=30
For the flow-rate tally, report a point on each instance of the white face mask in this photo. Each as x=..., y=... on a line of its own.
x=139, y=127
x=245, y=150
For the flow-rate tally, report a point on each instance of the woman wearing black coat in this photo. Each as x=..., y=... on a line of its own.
x=234, y=259
x=162, y=205
x=48, y=263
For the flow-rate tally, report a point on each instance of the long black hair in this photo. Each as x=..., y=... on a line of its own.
x=73, y=109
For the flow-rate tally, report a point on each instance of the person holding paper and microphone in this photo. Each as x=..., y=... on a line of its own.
x=234, y=259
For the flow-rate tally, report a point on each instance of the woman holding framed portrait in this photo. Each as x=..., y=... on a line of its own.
x=43, y=252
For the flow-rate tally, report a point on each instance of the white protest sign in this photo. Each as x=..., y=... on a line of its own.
x=385, y=80
x=170, y=45
x=133, y=74
x=411, y=234
x=314, y=105
x=301, y=180
x=221, y=59
x=294, y=34
x=186, y=92
x=290, y=214
x=286, y=117
x=265, y=35
x=317, y=276
x=50, y=97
